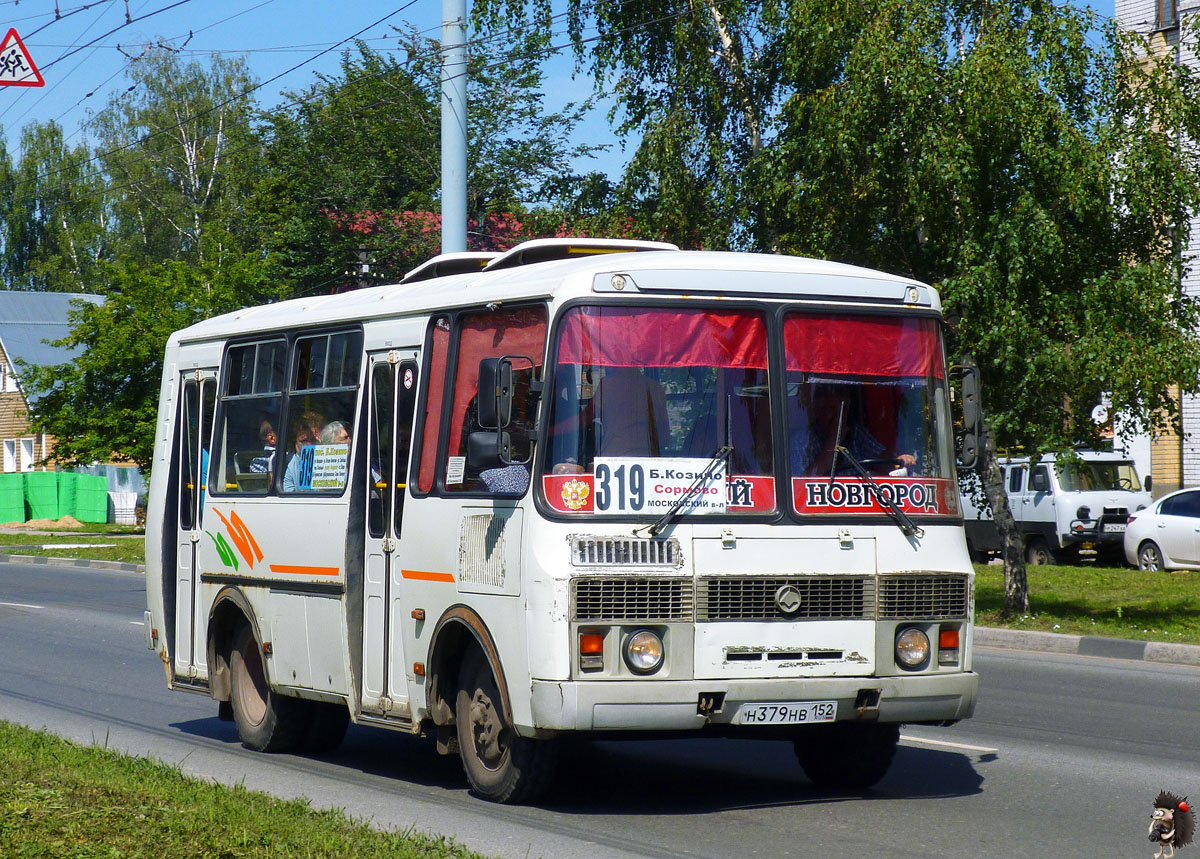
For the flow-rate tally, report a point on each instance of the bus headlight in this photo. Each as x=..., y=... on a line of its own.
x=912, y=648
x=643, y=652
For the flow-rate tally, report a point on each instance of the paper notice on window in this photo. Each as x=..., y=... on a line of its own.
x=456, y=467
x=329, y=466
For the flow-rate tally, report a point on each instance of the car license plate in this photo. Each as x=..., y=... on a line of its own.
x=786, y=713
x=1114, y=528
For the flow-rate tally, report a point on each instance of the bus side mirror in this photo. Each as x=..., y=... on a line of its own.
x=972, y=418
x=1148, y=482
x=495, y=392
x=488, y=449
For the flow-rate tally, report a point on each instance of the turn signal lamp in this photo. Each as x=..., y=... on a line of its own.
x=948, y=647
x=591, y=651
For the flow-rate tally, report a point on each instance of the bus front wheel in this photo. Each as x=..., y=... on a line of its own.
x=266, y=721
x=847, y=755
x=500, y=765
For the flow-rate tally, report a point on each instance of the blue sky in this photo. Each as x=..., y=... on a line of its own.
x=83, y=63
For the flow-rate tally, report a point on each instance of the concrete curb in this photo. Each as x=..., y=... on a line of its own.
x=72, y=562
x=1088, y=645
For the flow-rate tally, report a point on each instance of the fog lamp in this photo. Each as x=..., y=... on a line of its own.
x=643, y=652
x=912, y=648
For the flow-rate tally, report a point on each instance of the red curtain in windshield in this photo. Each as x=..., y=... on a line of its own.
x=649, y=337
x=863, y=345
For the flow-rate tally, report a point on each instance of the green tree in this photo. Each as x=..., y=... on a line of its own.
x=55, y=216
x=358, y=143
x=698, y=84
x=180, y=153
x=1036, y=178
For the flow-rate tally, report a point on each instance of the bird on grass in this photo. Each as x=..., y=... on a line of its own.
x=1173, y=824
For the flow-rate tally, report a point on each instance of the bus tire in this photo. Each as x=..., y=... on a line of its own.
x=326, y=727
x=266, y=721
x=847, y=755
x=500, y=765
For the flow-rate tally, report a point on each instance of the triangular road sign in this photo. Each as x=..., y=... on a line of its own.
x=16, y=66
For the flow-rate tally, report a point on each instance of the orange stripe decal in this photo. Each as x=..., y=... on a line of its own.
x=296, y=570
x=423, y=576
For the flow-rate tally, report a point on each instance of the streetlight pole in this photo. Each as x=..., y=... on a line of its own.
x=454, y=125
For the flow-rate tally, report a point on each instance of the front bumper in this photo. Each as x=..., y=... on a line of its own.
x=675, y=706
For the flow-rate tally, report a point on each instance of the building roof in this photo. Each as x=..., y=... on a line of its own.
x=29, y=319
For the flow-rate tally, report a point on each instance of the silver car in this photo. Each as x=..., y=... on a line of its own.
x=1166, y=535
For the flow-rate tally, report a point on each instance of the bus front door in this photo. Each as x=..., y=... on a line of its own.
x=198, y=398
x=393, y=393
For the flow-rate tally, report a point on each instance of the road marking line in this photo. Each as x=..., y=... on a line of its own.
x=137, y=623
x=20, y=605
x=964, y=746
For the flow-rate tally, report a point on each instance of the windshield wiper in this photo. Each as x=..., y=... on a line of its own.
x=910, y=528
x=656, y=527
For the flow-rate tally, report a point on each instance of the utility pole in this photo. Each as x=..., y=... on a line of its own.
x=454, y=126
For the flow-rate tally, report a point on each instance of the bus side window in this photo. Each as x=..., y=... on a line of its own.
x=248, y=430
x=320, y=406
x=519, y=331
x=438, y=349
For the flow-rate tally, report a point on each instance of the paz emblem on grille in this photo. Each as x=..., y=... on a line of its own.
x=787, y=598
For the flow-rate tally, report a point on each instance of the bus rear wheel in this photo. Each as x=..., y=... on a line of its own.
x=500, y=765
x=847, y=755
x=266, y=721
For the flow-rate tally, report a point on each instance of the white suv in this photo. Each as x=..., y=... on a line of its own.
x=1061, y=508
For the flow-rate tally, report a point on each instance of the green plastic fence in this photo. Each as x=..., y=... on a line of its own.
x=91, y=498
x=12, y=498
x=41, y=494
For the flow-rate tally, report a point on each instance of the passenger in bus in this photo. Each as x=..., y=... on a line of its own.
x=335, y=432
x=630, y=411
x=305, y=431
x=266, y=434
x=815, y=434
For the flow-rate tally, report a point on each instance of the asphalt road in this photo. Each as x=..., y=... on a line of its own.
x=1062, y=759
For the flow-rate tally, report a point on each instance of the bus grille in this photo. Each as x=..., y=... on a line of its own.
x=624, y=552
x=752, y=598
x=733, y=598
x=641, y=599
x=923, y=597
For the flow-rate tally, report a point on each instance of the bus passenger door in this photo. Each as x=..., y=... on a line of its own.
x=393, y=393
x=198, y=397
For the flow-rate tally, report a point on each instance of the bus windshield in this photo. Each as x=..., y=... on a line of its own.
x=867, y=390
x=644, y=398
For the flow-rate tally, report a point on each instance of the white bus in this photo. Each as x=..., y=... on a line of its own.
x=591, y=487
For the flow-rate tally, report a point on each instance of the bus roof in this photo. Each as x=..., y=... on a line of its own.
x=692, y=274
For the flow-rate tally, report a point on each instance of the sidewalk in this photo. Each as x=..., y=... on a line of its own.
x=1088, y=645
x=72, y=562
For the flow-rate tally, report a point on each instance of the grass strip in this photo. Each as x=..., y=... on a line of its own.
x=1086, y=600
x=61, y=799
x=117, y=546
